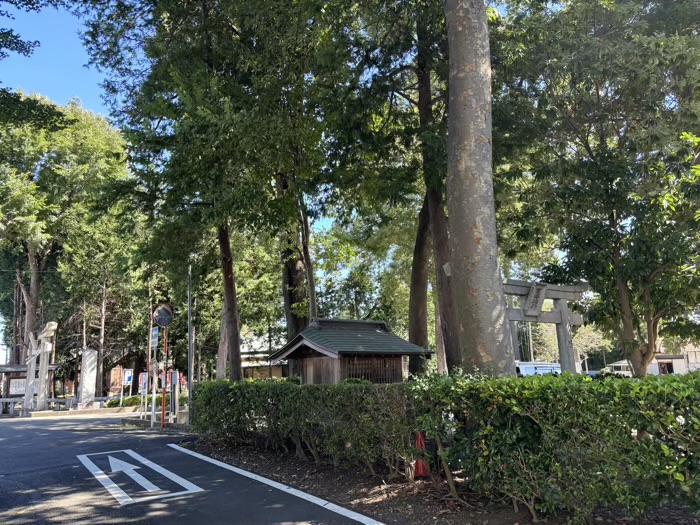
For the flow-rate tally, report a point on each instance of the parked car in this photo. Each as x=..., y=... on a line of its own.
x=533, y=368
x=620, y=368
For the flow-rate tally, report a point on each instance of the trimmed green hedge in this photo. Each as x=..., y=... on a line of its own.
x=348, y=422
x=134, y=401
x=552, y=443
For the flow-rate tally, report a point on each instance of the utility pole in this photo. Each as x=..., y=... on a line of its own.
x=190, y=341
x=162, y=317
x=164, y=389
x=155, y=377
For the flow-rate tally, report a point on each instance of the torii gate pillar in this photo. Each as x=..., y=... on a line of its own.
x=532, y=296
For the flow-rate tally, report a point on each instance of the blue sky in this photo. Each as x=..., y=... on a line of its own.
x=56, y=69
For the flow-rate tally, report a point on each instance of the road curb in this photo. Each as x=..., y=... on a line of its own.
x=88, y=412
x=145, y=423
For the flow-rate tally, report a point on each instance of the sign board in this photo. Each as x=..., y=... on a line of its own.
x=116, y=376
x=128, y=376
x=18, y=385
x=535, y=299
x=154, y=338
x=143, y=382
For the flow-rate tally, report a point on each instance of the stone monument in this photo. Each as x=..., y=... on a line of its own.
x=88, y=376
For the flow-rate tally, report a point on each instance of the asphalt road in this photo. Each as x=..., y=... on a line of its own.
x=89, y=470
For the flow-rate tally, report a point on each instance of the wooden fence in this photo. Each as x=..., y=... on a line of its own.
x=377, y=369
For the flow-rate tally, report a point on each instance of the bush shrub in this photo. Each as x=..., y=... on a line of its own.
x=552, y=443
x=134, y=401
x=567, y=442
x=358, y=423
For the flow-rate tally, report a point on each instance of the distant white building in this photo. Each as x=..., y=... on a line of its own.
x=688, y=361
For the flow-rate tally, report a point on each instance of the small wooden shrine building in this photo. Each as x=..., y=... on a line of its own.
x=331, y=350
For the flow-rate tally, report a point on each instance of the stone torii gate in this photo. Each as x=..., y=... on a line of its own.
x=41, y=349
x=531, y=297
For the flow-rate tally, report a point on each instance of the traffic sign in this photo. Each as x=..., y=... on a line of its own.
x=163, y=315
x=143, y=382
x=154, y=338
x=128, y=376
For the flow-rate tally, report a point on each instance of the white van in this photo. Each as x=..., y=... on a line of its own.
x=619, y=368
x=533, y=368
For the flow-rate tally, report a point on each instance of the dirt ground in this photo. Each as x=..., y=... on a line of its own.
x=424, y=502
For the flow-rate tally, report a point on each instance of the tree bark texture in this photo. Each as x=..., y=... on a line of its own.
x=477, y=284
x=222, y=355
x=439, y=344
x=434, y=184
x=310, y=279
x=231, y=304
x=418, y=295
x=293, y=289
x=99, y=386
x=16, y=326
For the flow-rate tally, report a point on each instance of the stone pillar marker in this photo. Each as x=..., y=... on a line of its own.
x=45, y=348
x=88, y=376
x=31, y=376
x=568, y=356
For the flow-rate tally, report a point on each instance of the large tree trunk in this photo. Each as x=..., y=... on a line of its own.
x=434, y=183
x=310, y=279
x=31, y=300
x=641, y=357
x=293, y=289
x=222, y=354
x=418, y=297
x=478, y=288
x=446, y=301
x=99, y=387
x=16, y=326
x=439, y=344
x=232, y=321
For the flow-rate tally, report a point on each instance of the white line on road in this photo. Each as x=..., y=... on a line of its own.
x=107, y=483
x=122, y=497
x=279, y=486
x=191, y=487
x=117, y=465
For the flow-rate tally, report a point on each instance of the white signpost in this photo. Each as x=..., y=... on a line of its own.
x=143, y=391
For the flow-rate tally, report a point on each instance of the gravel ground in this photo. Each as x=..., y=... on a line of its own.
x=424, y=502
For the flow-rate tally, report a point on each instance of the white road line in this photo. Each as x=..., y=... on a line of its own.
x=122, y=497
x=118, y=494
x=279, y=486
x=117, y=465
x=191, y=487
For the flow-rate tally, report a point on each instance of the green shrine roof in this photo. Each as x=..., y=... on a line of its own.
x=333, y=337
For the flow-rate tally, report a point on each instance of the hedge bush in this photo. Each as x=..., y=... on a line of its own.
x=552, y=443
x=358, y=423
x=134, y=401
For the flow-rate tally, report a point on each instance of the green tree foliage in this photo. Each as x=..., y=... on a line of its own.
x=49, y=177
x=607, y=90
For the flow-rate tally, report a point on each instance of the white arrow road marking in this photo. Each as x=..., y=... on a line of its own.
x=289, y=490
x=117, y=465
